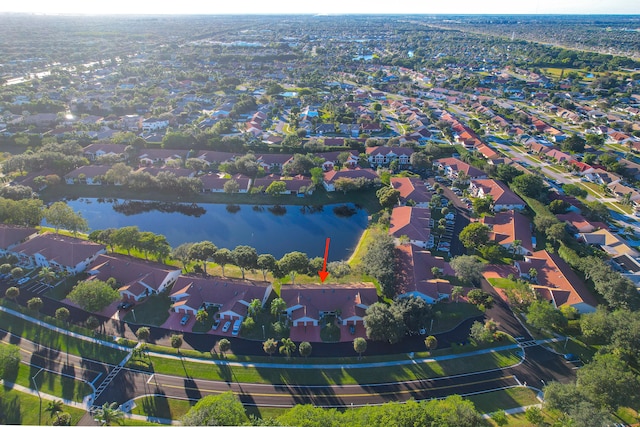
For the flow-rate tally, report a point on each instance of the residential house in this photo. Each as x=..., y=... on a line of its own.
x=383, y=156
x=455, y=168
x=13, y=235
x=94, y=151
x=132, y=122
x=413, y=224
x=332, y=176
x=508, y=228
x=578, y=223
x=308, y=305
x=331, y=159
x=214, y=183
x=416, y=275
x=90, y=175
x=503, y=197
x=556, y=282
x=150, y=156
x=273, y=162
x=136, y=278
x=232, y=297
x=61, y=253
x=612, y=244
x=412, y=191
x=153, y=124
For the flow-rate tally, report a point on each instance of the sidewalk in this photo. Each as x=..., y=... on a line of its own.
x=64, y=331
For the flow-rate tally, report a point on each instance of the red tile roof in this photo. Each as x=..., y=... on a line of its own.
x=411, y=222
x=555, y=277
x=411, y=189
x=509, y=226
x=13, y=234
x=63, y=250
x=414, y=272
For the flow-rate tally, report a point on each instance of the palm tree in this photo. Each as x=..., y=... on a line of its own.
x=54, y=408
x=47, y=275
x=278, y=306
x=456, y=292
x=202, y=315
x=270, y=346
x=255, y=306
x=108, y=414
x=288, y=347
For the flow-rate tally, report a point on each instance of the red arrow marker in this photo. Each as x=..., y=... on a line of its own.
x=324, y=273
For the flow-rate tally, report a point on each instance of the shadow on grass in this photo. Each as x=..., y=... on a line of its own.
x=10, y=410
x=156, y=406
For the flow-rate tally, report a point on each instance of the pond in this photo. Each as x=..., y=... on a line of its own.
x=270, y=229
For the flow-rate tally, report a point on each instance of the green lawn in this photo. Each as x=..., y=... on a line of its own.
x=161, y=407
x=22, y=408
x=339, y=375
x=49, y=382
x=450, y=315
x=154, y=311
x=64, y=343
x=502, y=282
x=503, y=399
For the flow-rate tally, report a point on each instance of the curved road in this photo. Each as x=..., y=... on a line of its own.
x=539, y=365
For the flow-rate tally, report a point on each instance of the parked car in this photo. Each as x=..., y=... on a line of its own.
x=236, y=327
x=215, y=325
x=226, y=326
x=23, y=280
x=184, y=319
x=125, y=305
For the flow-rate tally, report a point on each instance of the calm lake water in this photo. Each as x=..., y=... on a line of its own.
x=268, y=229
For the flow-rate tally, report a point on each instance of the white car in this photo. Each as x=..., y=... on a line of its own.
x=226, y=326
x=236, y=327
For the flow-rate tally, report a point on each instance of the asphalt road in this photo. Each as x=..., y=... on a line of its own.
x=540, y=365
x=130, y=384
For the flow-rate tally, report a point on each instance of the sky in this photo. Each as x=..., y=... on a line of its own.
x=324, y=7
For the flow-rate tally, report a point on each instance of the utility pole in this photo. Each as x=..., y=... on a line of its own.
x=35, y=384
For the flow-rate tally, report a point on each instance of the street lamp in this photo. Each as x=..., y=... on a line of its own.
x=35, y=384
x=133, y=312
x=264, y=335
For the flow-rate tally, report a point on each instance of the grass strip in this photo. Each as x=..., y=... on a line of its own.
x=339, y=375
x=24, y=329
x=161, y=407
x=493, y=401
x=49, y=382
x=23, y=409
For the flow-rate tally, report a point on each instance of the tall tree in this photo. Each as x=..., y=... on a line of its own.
x=60, y=215
x=181, y=253
x=222, y=257
x=245, y=257
x=93, y=295
x=293, y=263
x=266, y=262
x=383, y=324
x=203, y=252
x=474, y=235
x=126, y=237
x=467, y=269
x=223, y=409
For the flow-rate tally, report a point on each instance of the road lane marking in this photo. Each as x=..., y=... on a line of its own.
x=406, y=391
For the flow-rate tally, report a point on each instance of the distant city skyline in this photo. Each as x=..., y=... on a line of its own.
x=578, y=7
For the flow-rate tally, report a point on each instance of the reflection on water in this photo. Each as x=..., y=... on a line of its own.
x=270, y=229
